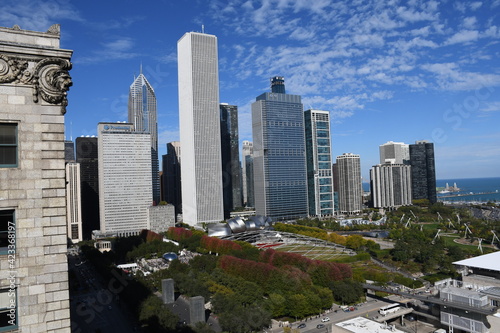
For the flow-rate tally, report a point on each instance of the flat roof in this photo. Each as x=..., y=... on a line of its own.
x=490, y=261
x=364, y=325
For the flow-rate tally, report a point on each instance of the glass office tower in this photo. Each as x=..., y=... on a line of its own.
x=319, y=163
x=142, y=113
x=280, y=180
x=423, y=171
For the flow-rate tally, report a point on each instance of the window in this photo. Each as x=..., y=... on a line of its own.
x=7, y=226
x=8, y=145
x=8, y=309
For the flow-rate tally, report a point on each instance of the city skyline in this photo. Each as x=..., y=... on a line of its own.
x=398, y=71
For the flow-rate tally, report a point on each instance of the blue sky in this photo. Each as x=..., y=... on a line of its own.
x=387, y=70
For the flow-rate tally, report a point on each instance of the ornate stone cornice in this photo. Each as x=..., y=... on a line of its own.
x=49, y=77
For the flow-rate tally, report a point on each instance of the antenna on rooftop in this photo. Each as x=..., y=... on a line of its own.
x=70, y=131
x=202, y=28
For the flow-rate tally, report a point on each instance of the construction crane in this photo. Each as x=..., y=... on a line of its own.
x=436, y=237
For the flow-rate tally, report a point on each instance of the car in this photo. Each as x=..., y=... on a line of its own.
x=301, y=325
x=320, y=326
x=325, y=319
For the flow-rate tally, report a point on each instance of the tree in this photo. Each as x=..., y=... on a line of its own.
x=155, y=317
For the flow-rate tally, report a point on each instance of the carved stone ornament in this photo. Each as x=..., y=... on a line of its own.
x=11, y=70
x=51, y=81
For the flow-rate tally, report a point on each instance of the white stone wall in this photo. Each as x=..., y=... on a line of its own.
x=35, y=189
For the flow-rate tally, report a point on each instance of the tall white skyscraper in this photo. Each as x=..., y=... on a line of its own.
x=247, y=153
x=73, y=202
x=199, y=119
x=390, y=185
x=124, y=159
x=142, y=113
x=349, y=188
x=394, y=152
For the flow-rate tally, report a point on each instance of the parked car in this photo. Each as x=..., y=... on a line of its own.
x=320, y=326
x=325, y=319
x=301, y=325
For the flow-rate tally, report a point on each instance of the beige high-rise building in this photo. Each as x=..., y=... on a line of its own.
x=34, y=80
x=349, y=186
x=74, y=202
x=199, y=127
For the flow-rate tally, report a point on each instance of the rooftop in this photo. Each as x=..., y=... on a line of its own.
x=490, y=261
x=364, y=325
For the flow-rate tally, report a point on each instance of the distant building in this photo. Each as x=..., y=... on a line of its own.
x=73, y=202
x=423, y=171
x=280, y=179
x=34, y=84
x=124, y=179
x=319, y=163
x=390, y=185
x=394, y=152
x=199, y=126
x=69, y=151
x=86, y=156
x=350, y=188
x=172, y=176
x=247, y=175
x=142, y=113
x=161, y=218
x=231, y=170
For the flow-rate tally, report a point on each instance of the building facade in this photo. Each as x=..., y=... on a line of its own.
x=247, y=150
x=124, y=179
x=73, y=202
x=87, y=157
x=231, y=169
x=319, y=163
x=69, y=151
x=161, y=218
x=350, y=189
x=142, y=113
x=423, y=171
x=394, y=152
x=34, y=82
x=279, y=162
x=390, y=185
x=172, y=176
x=199, y=126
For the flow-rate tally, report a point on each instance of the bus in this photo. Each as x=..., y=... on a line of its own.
x=391, y=308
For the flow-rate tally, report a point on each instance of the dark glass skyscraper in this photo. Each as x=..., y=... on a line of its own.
x=423, y=171
x=280, y=180
x=86, y=155
x=69, y=151
x=172, y=175
x=231, y=171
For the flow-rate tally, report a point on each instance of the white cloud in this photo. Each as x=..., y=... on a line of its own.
x=463, y=36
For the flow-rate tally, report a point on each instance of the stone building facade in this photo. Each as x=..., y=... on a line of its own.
x=34, y=81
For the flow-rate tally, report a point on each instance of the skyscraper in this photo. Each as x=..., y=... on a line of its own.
x=69, y=151
x=423, y=171
x=172, y=175
x=280, y=180
x=349, y=188
x=247, y=177
x=319, y=163
x=86, y=156
x=124, y=178
x=390, y=185
x=231, y=170
x=199, y=119
x=394, y=152
x=73, y=202
x=142, y=113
